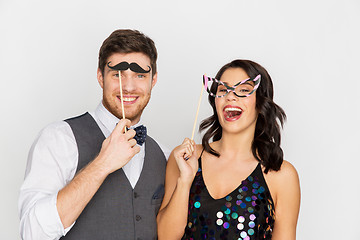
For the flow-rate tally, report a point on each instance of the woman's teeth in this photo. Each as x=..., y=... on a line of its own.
x=233, y=109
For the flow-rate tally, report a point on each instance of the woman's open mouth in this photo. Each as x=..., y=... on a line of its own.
x=232, y=113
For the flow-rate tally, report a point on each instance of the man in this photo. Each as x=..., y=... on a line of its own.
x=87, y=177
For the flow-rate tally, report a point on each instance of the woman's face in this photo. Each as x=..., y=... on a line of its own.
x=236, y=114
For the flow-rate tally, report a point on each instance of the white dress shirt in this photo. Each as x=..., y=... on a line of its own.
x=52, y=164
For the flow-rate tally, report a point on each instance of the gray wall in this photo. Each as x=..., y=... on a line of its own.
x=48, y=62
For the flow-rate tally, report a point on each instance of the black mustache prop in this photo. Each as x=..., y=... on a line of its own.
x=125, y=65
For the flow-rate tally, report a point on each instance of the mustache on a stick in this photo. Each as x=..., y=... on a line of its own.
x=125, y=65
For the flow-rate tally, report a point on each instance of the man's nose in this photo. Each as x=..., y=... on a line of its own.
x=128, y=83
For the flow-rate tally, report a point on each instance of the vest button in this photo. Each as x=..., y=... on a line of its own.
x=138, y=218
x=136, y=194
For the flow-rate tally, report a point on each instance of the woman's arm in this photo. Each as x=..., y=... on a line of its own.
x=285, y=184
x=180, y=173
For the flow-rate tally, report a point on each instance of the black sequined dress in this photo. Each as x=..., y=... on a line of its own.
x=247, y=213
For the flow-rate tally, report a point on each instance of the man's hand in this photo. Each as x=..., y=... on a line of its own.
x=118, y=148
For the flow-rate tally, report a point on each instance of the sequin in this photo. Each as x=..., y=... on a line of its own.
x=250, y=178
x=252, y=217
x=197, y=204
x=245, y=188
x=234, y=215
x=228, y=198
x=248, y=199
x=240, y=226
x=227, y=211
x=239, y=196
x=251, y=224
x=238, y=202
x=243, y=234
x=247, y=238
x=219, y=222
x=256, y=185
x=261, y=189
x=226, y=225
x=250, y=210
x=241, y=219
x=243, y=205
x=251, y=232
x=228, y=204
x=219, y=214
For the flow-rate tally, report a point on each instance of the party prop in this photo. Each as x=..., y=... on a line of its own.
x=121, y=97
x=125, y=66
x=243, y=88
x=197, y=112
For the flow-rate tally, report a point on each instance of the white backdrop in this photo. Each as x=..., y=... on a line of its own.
x=48, y=61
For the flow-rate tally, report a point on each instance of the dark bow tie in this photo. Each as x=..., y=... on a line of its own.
x=140, y=134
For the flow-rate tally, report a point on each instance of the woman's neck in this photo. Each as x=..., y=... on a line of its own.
x=238, y=145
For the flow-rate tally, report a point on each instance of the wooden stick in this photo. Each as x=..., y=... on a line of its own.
x=197, y=111
x=121, y=98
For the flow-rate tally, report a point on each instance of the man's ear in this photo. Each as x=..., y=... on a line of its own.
x=154, y=80
x=100, y=78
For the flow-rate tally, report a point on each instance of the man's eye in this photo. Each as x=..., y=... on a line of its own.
x=141, y=76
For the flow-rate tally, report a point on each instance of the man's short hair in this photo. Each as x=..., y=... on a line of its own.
x=127, y=41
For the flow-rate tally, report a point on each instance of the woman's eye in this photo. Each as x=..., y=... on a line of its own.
x=244, y=90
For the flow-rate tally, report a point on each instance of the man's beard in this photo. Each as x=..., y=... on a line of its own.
x=115, y=109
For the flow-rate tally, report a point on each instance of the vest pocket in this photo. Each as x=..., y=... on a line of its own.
x=158, y=195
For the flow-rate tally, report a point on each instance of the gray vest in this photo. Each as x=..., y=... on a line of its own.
x=117, y=211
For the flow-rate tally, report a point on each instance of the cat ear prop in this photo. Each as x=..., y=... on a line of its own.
x=125, y=66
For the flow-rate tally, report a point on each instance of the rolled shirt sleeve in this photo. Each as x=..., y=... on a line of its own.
x=51, y=164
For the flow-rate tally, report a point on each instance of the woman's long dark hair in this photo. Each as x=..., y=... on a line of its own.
x=266, y=144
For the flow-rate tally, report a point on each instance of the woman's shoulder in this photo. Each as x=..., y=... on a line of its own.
x=283, y=181
x=286, y=171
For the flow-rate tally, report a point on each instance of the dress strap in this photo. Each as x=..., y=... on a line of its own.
x=202, y=152
x=199, y=159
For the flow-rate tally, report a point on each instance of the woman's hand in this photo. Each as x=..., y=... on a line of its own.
x=185, y=156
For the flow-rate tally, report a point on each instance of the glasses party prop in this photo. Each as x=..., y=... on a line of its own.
x=242, y=89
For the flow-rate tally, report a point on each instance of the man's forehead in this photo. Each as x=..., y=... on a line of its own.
x=137, y=57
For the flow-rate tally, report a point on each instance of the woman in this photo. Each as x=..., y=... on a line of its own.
x=238, y=186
